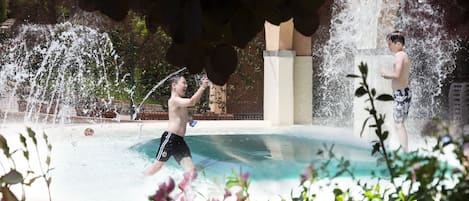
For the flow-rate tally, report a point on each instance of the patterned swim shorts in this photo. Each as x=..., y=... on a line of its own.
x=401, y=104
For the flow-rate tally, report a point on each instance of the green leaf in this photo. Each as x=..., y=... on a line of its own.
x=4, y=146
x=353, y=76
x=7, y=195
x=231, y=183
x=360, y=91
x=363, y=127
x=32, y=135
x=12, y=177
x=48, y=160
x=337, y=191
x=401, y=195
x=363, y=68
x=385, y=97
x=375, y=148
x=26, y=154
x=385, y=135
x=23, y=140
x=320, y=152
x=46, y=139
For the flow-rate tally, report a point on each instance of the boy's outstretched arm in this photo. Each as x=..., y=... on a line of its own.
x=188, y=102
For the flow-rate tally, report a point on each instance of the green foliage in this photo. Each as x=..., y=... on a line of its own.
x=12, y=175
x=143, y=57
x=41, y=11
x=422, y=168
x=3, y=10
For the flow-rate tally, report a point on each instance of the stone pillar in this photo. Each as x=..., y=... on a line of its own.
x=278, y=87
x=303, y=79
x=217, y=99
x=288, y=76
x=278, y=74
x=279, y=37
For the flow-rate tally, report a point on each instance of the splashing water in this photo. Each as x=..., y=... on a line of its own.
x=137, y=109
x=55, y=69
x=427, y=45
x=432, y=57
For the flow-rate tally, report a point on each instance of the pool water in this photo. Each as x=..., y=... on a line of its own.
x=264, y=156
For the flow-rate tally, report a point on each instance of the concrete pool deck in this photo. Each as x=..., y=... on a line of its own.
x=101, y=167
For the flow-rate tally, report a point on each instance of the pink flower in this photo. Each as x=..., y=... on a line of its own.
x=244, y=176
x=164, y=190
x=179, y=197
x=183, y=184
x=170, y=185
x=306, y=173
x=227, y=194
x=188, y=176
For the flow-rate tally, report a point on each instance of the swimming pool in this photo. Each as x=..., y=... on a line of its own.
x=109, y=164
x=264, y=156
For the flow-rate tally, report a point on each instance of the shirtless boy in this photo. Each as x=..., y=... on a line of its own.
x=400, y=84
x=172, y=140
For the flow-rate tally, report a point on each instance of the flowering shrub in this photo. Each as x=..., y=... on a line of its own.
x=165, y=189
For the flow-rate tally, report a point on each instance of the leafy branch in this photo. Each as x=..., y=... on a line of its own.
x=12, y=176
x=378, y=146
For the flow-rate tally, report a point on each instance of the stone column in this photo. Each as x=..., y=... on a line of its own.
x=278, y=87
x=288, y=76
x=278, y=74
x=303, y=79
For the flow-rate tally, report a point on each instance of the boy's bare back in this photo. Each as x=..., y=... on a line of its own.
x=402, y=66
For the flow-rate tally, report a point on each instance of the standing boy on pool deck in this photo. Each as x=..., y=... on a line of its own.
x=400, y=84
x=172, y=141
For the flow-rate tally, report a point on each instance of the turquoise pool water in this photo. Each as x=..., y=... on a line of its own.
x=265, y=156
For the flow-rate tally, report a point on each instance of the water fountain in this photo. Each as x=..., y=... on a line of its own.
x=138, y=107
x=357, y=33
x=59, y=70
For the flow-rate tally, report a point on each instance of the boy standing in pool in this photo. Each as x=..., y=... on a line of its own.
x=400, y=84
x=172, y=140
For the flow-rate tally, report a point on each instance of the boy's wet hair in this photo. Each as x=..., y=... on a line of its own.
x=174, y=79
x=396, y=36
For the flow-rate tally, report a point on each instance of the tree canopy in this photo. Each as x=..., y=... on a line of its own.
x=205, y=32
